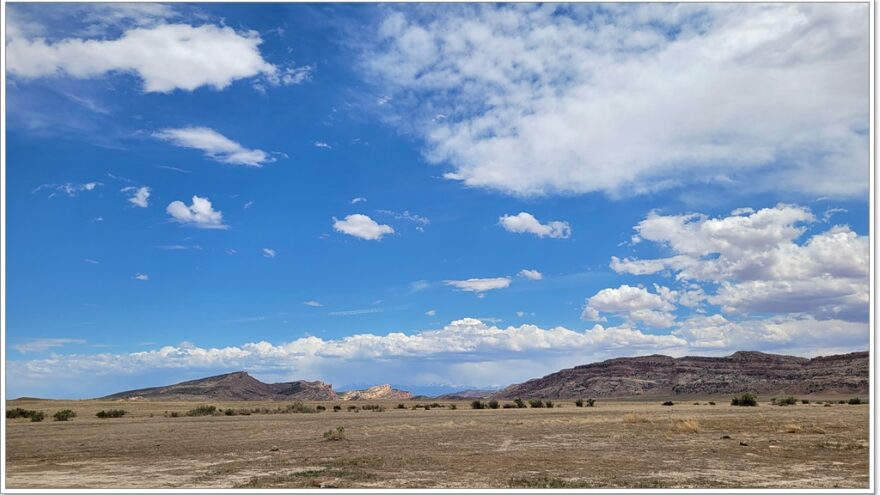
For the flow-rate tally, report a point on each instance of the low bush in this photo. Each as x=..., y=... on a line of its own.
x=401, y=406
x=337, y=408
x=668, y=403
x=202, y=411
x=686, y=426
x=321, y=408
x=174, y=414
x=38, y=416
x=519, y=403
x=20, y=413
x=548, y=403
x=793, y=428
x=747, y=399
x=805, y=401
x=352, y=408
x=230, y=412
x=64, y=415
x=453, y=407
x=335, y=434
x=493, y=404
x=508, y=405
x=299, y=407
x=115, y=413
x=827, y=404
x=854, y=400
x=632, y=418
x=841, y=402
x=477, y=404
x=536, y=403
x=711, y=403
x=591, y=403
x=579, y=403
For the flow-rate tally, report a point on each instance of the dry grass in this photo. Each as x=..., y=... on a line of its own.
x=565, y=447
x=632, y=418
x=793, y=428
x=690, y=425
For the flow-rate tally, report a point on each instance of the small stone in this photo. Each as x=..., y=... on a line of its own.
x=725, y=437
x=273, y=449
x=744, y=444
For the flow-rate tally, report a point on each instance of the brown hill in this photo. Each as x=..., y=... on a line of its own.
x=232, y=386
x=740, y=372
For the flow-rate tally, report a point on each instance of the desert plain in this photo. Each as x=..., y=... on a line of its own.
x=616, y=444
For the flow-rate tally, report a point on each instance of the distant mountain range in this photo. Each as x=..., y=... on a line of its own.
x=242, y=386
x=654, y=375
x=742, y=371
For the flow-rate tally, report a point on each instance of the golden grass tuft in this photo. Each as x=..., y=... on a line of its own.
x=793, y=428
x=635, y=418
x=685, y=426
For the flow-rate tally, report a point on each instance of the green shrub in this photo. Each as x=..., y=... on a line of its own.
x=337, y=408
x=493, y=404
x=536, y=403
x=805, y=401
x=519, y=403
x=579, y=403
x=549, y=403
x=64, y=415
x=854, y=400
x=477, y=404
x=841, y=402
x=508, y=405
x=174, y=414
x=202, y=411
x=20, y=413
x=38, y=416
x=299, y=407
x=320, y=408
x=401, y=406
x=668, y=403
x=591, y=402
x=827, y=404
x=453, y=407
x=335, y=434
x=711, y=403
x=229, y=412
x=115, y=413
x=788, y=401
x=746, y=399
x=352, y=408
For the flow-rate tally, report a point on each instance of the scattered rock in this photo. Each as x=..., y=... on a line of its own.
x=744, y=444
x=725, y=437
x=273, y=449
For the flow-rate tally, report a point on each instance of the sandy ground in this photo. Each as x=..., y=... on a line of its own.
x=628, y=444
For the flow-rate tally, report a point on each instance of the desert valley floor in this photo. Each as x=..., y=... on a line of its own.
x=617, y=443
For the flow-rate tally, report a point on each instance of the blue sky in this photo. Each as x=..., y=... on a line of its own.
x=427, y=195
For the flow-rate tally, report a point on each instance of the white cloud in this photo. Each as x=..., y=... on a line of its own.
x=406, y=215
x=322, y=144
x=361, y=226
x=314, y=304
x=531, y=274
x=90, y=261
x=633, y=98
x=41, y=345
x=757, y=264
x=68, y=188
x=525, y=223
x=166, y=57
x=480, y=285
x=214, y=145
x=357, y=200
x=268, y=252
x=431, y=312
x=199, y=214
x=635, y=303
x=141, y=277
x=139, y=196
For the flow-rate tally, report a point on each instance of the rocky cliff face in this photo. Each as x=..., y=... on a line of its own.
x=232, y=386
x=376, y=393
x=740, y=372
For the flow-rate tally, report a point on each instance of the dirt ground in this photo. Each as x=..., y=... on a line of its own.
x=617, y=444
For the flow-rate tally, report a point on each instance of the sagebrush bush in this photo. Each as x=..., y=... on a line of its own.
x=401, y=406
x=854, y=400
x=299, y=407
x=320, y=408
x=335, y=434
x=493, y=404
x=579, y=403
x=202, y=411
x=38, y=416
x=519, y=403
x=113, y=413
x=711, y=403
x=20, y=413
x=478, y=404
x=591, y=402
x=508, y=405
x=668, y=403
x=453, y=406
x=64, y=415
x=805, y=401
x=536, y=403
x=548, y=403
x=746, y=399
x=337, y=408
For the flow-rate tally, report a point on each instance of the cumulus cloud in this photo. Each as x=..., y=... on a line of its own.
x=214, y=145
x=633, y=98
x=361, y=226
x=466, y=351
x=199, y=214
x=531, y=274
x=480, y=285
x=268, y=252
x=141, y=276
x=757, y=265
x=165, y=57
x=637, y=304
x=139, y=196
x=526, y=223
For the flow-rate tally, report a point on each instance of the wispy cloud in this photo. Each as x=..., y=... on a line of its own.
x=139, y=196
x=314, y=304
x=41, y=345
x=141, y=276
x=268, y=252
x=354, y=312
x=214, y=145
x=480, y=285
